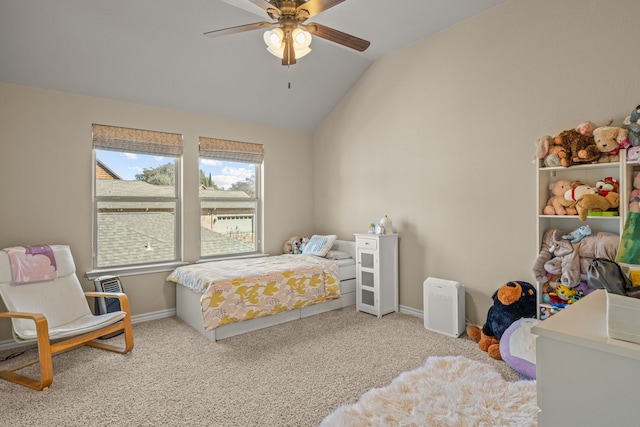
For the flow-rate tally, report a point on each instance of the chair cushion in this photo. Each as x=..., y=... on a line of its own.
x=79, y=326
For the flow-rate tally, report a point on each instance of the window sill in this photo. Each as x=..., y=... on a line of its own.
x=231, y=257
x=132, y=271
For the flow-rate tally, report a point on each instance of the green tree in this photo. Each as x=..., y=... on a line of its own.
x=162, y=175
x=207, y=181
x=248, y=186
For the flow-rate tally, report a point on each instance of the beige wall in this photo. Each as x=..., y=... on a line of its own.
x=440, y=136
x=45, y=178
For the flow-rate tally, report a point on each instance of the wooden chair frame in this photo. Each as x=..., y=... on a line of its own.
x=47, y=349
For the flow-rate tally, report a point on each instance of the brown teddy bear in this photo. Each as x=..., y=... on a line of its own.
x=581, y=147
x=609, y=140
x=513, y=301
x=287, y=247
x=596, y=203
x=557, y=204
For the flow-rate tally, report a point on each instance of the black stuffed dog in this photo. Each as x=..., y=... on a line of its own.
x=513, y=301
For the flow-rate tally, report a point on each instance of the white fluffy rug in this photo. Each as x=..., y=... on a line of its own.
x=446, y=391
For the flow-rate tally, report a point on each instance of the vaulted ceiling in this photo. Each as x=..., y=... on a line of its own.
x=154, y=52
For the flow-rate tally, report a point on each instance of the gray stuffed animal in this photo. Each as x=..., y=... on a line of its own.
x=633, y=122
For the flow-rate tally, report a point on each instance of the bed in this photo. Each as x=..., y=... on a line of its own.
x=221, y=299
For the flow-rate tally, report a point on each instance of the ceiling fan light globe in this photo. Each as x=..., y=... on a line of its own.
x=274, y=38
x=301, y=52
x=278, y=52
x=301, y=39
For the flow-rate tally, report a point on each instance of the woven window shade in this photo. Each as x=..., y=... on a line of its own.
x=224, y=149
x=136, y=141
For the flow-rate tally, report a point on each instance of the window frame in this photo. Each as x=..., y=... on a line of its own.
x=177, y=200
x=244, y=153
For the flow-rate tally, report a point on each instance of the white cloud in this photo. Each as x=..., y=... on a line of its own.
x=210, y=162
x=231, y=175
x=239, y=173
x=130, y=156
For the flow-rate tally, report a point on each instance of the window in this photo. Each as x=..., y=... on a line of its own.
x=229, y=197
x=136, y=197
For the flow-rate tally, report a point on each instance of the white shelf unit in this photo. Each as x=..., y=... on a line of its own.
x=587, y=174
x=377, y=273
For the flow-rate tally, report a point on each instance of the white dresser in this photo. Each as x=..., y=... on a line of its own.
x=377, y=273
x=585, y=378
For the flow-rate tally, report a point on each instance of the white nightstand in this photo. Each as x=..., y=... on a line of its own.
x=377, y=273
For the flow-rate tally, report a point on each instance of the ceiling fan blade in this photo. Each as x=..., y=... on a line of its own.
x=268, y=7
x=337, y=36
x=240, y=29
x=314, y=7
x=264, y=4
x=289, y=55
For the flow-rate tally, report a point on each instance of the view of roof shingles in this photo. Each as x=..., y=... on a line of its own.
x=137, y=237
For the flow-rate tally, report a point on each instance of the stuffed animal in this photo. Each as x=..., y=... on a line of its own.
x=580, y=146
x=577, y=191
x=557, y=204
x=513, y=301
x=609, y=140
x=586, y=128
x=633, y=122
x=576, y=235
x=633, y=152
x=548, y=153
x=563, y=296
x=303, y=243
x=607, y=185
x=634, y=196
x=287, y=247
x=596, y=203
x=566, y=293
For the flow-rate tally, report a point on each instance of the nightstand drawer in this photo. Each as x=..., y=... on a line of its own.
x=366, y=243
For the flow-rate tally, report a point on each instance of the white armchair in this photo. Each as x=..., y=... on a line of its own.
x=55, y=314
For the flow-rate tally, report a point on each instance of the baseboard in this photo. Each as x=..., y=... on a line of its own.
x=411, y=311
x=139, y=318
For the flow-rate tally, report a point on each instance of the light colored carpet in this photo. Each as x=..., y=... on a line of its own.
x=446, y=391
x=294, y=374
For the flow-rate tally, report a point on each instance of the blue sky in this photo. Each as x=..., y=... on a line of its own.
x=127, y=165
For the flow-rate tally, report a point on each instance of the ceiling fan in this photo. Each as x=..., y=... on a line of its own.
x=290, y=38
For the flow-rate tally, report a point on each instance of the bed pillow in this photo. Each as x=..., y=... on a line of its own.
x=337, y=255
x=319, y=245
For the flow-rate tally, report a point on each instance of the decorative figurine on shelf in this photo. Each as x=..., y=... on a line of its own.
x=387, y=227
x=372, y=228
x=379, y=229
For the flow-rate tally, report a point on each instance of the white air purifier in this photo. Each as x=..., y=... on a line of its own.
x=444, y=306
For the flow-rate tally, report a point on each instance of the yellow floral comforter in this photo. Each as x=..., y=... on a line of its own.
x=243, y=289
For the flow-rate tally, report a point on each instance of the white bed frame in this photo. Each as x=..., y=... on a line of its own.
x=188, y=306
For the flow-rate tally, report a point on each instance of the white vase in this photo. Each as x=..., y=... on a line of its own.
x=386, y=223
